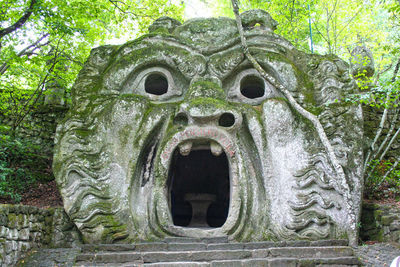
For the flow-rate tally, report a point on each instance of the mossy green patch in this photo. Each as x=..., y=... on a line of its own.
x=12, y=220
x=206, y=89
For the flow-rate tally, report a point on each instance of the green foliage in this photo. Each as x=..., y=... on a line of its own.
x=383, y=182
x=21, y=164
x=47, y=51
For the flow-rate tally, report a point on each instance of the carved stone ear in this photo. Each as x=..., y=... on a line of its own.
x=253, y=17
x=166, y=23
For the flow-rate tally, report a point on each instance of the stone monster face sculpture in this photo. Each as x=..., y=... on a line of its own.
x=176, y=134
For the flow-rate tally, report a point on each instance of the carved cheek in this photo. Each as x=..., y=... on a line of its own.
x=279, y=119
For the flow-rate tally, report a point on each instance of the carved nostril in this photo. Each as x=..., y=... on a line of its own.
x=181, y=119
x=226, y=120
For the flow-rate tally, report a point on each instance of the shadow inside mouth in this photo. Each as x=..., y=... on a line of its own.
x=199, y=189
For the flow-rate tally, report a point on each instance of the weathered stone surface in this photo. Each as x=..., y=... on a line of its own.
x=380, y=223
x=30, y=227
x=120, y=255
x=144, y=111
x=362, y=62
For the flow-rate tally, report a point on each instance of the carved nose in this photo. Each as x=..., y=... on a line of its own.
x=224, y=119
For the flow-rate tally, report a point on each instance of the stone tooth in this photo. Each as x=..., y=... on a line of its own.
x=185, y=148
x=216, y=149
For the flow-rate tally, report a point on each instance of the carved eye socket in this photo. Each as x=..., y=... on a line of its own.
x=252, y=87
x=156, y=84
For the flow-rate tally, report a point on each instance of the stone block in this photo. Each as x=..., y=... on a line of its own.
x=4, y=209
x=24, y=246
x=229, y=246
x=48, y=220
x=378, y=214
x=4, y=231
x=24, y=234
x=394, y=226
x=25, y=222
x=176, y=264
x=227, y=263
x=280, y=263
x=32, y=218
x=11, y=246
x=40, y=218
x=20, y=221
x=36, y=227
x=12, y=220
x=311, y=252
x=387, y=220
x=186, y=246
x=3, y=219
x=386, y=230
x=13, y=234
x=24, y=209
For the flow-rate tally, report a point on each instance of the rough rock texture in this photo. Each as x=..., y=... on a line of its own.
x=24, y=227
x=362, y=62
x=380, y=223
x=378, y=255
x=188, y=88
x=211, y=252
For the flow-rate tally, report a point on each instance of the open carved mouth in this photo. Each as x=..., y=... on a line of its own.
x=199, y=184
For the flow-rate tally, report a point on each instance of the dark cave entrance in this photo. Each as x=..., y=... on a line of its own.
x=199, y=189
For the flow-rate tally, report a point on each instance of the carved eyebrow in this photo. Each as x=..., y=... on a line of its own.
x=128, y=62
x=223, y=63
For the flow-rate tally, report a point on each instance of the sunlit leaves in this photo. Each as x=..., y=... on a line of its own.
x=56, y=39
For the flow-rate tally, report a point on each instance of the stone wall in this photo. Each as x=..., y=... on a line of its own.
x=24, y=227
x=40, y=125
x=380, y=223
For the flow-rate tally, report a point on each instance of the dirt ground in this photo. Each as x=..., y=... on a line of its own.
x=42, y=196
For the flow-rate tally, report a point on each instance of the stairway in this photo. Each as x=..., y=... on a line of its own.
x=218, y=252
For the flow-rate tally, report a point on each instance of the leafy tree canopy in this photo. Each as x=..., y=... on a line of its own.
x=43, y=43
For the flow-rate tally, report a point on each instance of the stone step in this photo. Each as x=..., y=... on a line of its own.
x=212, y=255
x=256, y=262
x=208, y=240
x=287, y=262
x=181, y=246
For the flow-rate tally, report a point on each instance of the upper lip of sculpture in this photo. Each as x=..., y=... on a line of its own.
x=197, y=138
x=187, y=146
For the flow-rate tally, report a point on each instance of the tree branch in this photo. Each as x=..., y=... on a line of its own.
x=382, y=72
x=27, y=51
x=20, y=22
x=350, y=20
x=378, y=133
x=396, y=71
x=39, y=89
x=124, y=11
x=389, y=171
x=393, y=125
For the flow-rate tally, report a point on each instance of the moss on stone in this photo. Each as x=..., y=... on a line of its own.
x=378, y=236
x=377, y=214
x=387, y=220
x=12, y=220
